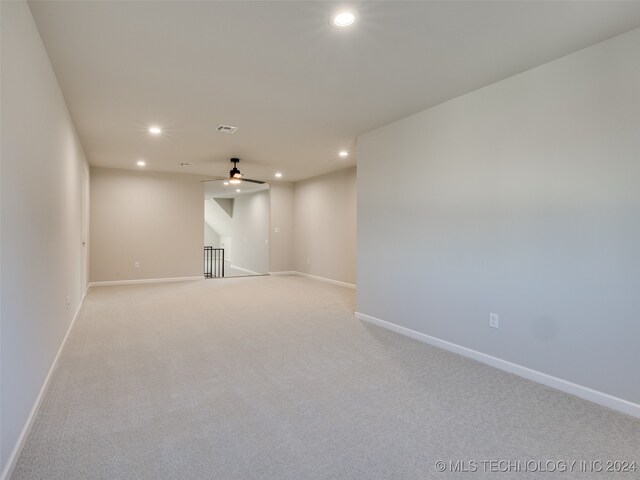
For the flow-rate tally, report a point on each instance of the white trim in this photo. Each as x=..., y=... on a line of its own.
x=145, y=280
x=326, y=280
x=15, y=454
x=581, y=391
x=283, y=272
x=250, y=272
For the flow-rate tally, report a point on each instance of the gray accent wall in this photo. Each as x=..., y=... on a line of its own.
x=250, y=232
x=281, y=231
x=523, y=199
x=152, y=218
x=325, y=226
x=43, y=170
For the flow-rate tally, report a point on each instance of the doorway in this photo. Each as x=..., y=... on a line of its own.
x=236, y=229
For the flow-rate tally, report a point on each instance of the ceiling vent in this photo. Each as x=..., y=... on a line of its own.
x=226, y=129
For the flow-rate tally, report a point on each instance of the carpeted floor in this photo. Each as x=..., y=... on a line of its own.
x=273, y=378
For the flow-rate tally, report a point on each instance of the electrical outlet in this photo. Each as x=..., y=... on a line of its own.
x=308, y=261
x=136, y=265
x=494, y=320
x=68, y=299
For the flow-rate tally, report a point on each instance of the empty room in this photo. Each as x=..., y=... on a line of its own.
x=319, y=240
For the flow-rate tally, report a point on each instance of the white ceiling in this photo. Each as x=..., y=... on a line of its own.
x=297, y=89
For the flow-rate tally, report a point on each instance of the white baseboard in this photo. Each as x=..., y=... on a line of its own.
x=326, y=280
x=581, y=391
x=249, y=272
x=145, y=280
x=314, y=277
x=15, y=454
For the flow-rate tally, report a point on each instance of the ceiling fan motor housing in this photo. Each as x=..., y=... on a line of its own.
x=234, y=172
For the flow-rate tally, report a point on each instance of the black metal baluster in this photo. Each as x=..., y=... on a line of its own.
x=213, y=262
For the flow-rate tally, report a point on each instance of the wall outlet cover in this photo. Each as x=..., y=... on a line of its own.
x=494, y=320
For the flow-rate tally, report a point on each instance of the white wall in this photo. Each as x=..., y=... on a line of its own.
x=42, y=167
x=325, y=226
x=282, y=231
x=225, y=243
x=250, y=232
x=523, y=199
x=211, y=237
x=152, y=218
x=218, y=215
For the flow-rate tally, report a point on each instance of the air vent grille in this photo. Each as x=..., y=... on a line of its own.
x=226, y=129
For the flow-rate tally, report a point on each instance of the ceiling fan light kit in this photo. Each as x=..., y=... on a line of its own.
x=235, y=176
x=234, y=172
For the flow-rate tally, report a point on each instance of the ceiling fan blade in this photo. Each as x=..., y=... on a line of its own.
x=214, y=179
x=234, y=175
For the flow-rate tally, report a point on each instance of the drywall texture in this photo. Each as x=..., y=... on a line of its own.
x=281, y=236
x=521, y=199
x=41, y=190
x=217, y=217
x=325, y=226
x=250, y=232
x=152, y=218
x=211, y=237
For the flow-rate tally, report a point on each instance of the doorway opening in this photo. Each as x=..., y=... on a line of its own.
x=236, y=229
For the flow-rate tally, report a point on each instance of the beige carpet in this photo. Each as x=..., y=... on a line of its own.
x=273, y=378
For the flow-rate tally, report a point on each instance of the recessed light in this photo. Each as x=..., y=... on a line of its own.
x=238, y=190
x=343, y=153
x=141, y=163
x=153, y=130
x=342, y=19
x=278, y=175
x=226, y=183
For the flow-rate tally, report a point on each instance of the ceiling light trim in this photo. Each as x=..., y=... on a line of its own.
x=343, y=18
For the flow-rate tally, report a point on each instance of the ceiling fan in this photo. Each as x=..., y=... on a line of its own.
x=235, y=177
